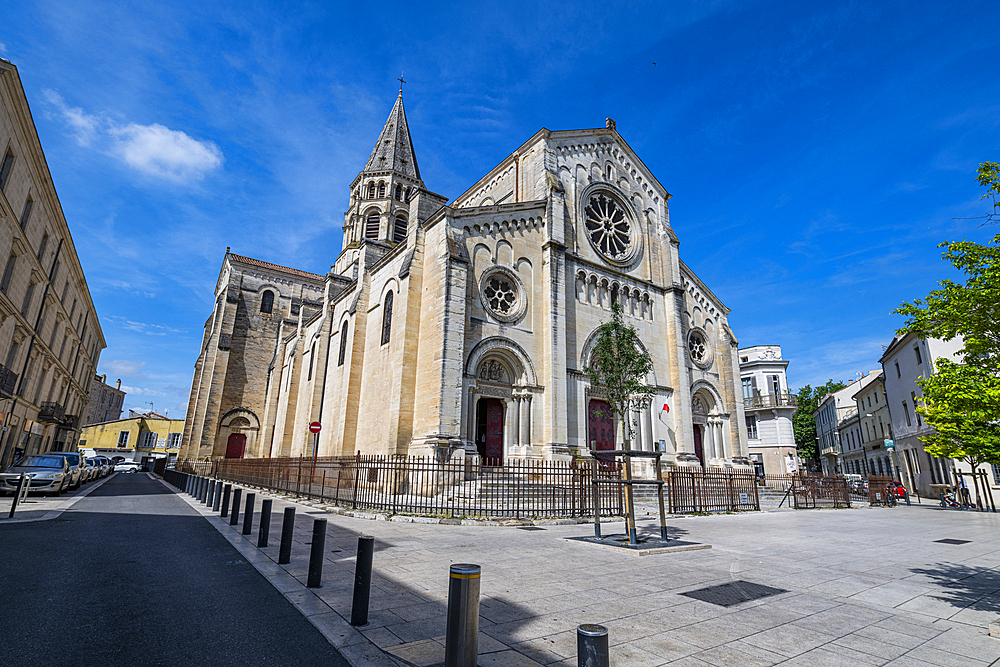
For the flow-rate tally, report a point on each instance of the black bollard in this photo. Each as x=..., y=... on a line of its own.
x=592, y=646
x=248, y=514
x=218, y=497
x=265, y=523
x=362, y=580
x=235, y=518
x=461, y=642
x=287, y=529
x=202, y=488
x=187, y=482
x=315, y=579
x=225, y=501
x=211, y=493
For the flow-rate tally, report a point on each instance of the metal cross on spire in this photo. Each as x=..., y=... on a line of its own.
x=401, y=82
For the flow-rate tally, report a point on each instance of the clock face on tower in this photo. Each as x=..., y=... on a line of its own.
x=610, y=229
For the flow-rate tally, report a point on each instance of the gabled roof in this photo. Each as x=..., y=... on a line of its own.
x=274, y=267
x=394, y=149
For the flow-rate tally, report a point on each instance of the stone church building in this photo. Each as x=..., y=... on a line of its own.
x=463, y=329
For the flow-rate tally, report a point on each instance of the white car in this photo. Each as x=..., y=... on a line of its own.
x=126, y=466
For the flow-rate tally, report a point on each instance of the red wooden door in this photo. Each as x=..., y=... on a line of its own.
x=493, y=446
x=235, y=445
x=600, y=426
x=698, y=450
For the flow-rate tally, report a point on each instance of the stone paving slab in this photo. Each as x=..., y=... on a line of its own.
x=867, y=586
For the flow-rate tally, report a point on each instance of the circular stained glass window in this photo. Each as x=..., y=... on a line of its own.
x=609, y=228
x=502, y=294
x=698, y=348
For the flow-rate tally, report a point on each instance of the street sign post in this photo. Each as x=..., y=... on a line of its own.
x=315, y=428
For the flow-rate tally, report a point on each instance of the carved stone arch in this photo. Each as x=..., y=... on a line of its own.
x=588, y=347
x=711, y=398
x=240, y=417
x=391, y=284
x=514, y=355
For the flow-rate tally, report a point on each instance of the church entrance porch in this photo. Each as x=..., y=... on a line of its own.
x=235, y=446
x=600, y=427
x=489, y=430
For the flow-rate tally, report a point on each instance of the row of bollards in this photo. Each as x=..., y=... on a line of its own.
x=462, y=627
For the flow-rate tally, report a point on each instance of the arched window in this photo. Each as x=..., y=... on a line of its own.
x=399, y=229
x=343, y=345
x=399, y=192
x=267, y=301
x=371, y=225
x=371, y=191
x=387, y=318
x=381, y=189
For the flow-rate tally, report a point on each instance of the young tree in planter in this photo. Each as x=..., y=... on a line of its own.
x=619, y=365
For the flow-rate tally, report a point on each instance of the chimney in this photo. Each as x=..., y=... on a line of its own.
x=118, y=384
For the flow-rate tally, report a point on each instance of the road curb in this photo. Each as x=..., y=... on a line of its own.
x=355, y=647
x=62, y=507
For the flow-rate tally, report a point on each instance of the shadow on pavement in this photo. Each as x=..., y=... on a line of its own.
x=965, y=587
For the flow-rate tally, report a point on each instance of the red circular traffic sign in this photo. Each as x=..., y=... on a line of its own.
x=315, y=427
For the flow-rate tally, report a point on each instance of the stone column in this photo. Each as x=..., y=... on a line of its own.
x=647, y=423
x=517, y=419
x=472, y=417
x=526, y=420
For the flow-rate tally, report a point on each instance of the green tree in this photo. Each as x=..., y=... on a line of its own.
x=962, y=404
x=619, y=365
x=804, y=424
x=988, y=176
x=962, y=401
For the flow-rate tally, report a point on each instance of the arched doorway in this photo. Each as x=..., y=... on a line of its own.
x=699, y=449
x=235, y=446
x=600, y=427
x=489, y=430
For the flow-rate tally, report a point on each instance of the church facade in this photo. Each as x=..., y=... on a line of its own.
x=464, y=329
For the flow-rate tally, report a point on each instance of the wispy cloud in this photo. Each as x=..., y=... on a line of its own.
x=154, y=150
x=145, y=327
x=124, y=367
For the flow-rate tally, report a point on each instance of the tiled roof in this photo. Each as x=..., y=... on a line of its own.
x=275, y=267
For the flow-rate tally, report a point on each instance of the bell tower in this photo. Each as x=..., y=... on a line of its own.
x=381, y=193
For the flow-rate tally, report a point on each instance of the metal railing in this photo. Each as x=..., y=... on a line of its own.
x=8, y=380
x=51, y=411
x=426, y=486
x=783, y=400
x=695, y=490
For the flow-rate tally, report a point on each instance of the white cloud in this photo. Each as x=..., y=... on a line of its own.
x=123, y=367
x=83, y=125
x=3, y=49
x=154, y=150
x=141, y=391
x=159, y=151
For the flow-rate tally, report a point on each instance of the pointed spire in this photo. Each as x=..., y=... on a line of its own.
x=394, y=149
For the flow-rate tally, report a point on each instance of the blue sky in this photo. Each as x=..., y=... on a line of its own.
x=816, y=152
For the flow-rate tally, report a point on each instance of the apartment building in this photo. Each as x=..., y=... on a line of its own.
x=50, y=337
x=769, y=407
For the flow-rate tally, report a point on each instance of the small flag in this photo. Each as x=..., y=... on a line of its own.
x=666, y=408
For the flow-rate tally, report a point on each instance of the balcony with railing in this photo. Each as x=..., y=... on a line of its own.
x=51, y=413
x=765, y=401
x=8, y=381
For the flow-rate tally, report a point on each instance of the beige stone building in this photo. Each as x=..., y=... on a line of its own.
x=463, y=329
x=50, y=339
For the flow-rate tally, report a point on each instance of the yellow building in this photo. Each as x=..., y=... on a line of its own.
x=138, y=436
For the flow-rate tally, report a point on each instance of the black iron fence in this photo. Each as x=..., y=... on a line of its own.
x=426, y=486
x=695, y=490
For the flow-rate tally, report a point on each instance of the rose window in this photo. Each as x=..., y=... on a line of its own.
x=500, y=295
x=697, y=347
x=609, y=228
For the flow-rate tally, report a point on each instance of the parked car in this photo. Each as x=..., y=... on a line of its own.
x=95, y=468
x=77, y=464
x=900, y=489
x=106, y=466
x=49, y=474
x=127, y=466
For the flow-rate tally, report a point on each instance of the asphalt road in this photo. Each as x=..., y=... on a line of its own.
x=131, y=575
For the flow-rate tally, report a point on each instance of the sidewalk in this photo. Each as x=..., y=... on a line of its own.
x=863, y=587
x=37, y=507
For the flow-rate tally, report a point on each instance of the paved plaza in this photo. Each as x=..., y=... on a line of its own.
x=865, y=586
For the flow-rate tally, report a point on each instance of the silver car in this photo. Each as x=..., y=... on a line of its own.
x=47, y=474
x=77, y=466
